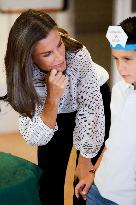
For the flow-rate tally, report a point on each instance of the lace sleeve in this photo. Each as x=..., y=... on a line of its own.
x=34, y=131
x=90, y=127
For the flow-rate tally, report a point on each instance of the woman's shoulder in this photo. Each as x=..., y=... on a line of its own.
x=80, y=53
x=101, y=73
x=78, y=56
x=79, y=62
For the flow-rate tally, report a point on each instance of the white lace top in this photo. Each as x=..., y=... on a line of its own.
x=82, y=94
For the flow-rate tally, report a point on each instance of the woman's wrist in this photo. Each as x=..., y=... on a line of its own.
x=51, y=101
x=92, y=170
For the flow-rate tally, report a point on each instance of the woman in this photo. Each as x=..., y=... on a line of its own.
x=53, y=84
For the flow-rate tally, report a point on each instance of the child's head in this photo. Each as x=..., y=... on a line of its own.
x=125, y=57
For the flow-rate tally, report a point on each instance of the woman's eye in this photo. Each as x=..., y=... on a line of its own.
x=47, y=54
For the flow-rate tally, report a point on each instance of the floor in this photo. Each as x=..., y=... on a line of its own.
x=14, y=144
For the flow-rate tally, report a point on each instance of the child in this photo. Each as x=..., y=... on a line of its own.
x=115, y=178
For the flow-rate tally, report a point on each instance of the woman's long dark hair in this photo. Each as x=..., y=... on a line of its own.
x=30, y=27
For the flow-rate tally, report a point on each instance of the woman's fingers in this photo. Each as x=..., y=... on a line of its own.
x=83, y=186
x=57, y=77
x=79, y=187
x=56, y=84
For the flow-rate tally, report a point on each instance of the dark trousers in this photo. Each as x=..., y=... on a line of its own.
x=106, y=95
x=53, y=157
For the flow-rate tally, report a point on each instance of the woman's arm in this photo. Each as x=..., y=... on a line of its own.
x=90, y=120
x=83, y=167
x=56, y=84
x=84, y=184
x=40, y=129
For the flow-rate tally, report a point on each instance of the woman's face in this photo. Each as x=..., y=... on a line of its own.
x=49, y=53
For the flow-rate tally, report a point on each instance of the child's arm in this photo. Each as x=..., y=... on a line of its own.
x=83, y=186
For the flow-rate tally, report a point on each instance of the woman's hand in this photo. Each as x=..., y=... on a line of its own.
x=83, y=186
x=56, y=84
x=83, y=167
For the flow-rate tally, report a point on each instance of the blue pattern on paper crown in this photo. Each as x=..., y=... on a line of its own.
x=127, y=47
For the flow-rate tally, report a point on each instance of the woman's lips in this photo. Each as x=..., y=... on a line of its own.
x=60, y=67
x=60, y=64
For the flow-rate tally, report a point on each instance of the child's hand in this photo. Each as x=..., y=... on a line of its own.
x=83, y=186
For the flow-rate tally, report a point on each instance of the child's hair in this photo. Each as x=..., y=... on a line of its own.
x=30, y=27
x=129, y=26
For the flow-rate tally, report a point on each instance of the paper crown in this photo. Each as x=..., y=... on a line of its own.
x=116, y=36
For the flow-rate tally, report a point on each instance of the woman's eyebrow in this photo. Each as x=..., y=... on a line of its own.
x=45, y=52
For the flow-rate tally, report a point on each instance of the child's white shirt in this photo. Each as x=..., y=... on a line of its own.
x=116, y=175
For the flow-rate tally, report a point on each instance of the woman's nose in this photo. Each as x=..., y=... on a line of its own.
x=58, y=56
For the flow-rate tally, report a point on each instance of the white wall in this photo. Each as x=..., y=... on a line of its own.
x=8, y=117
